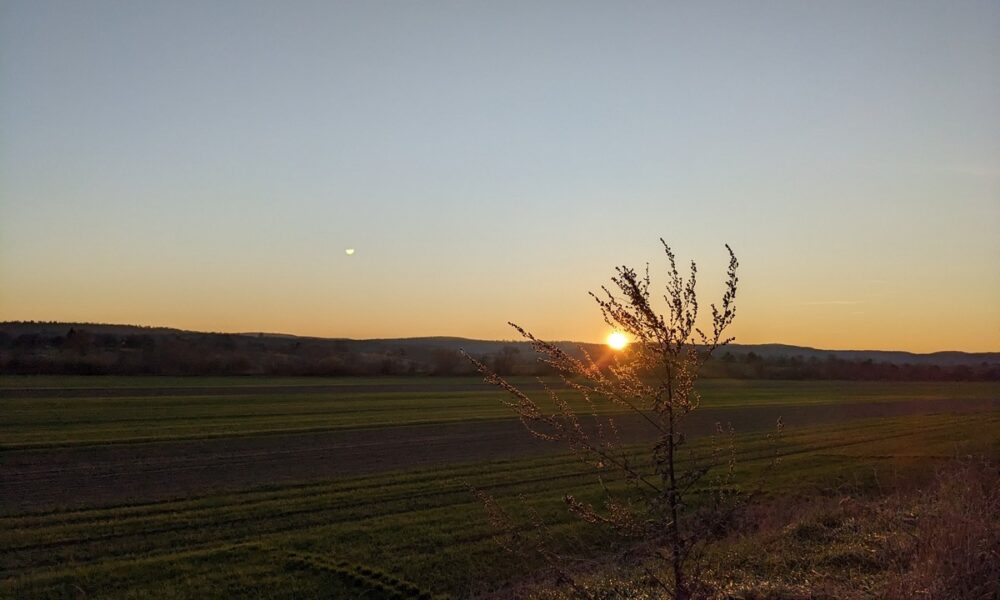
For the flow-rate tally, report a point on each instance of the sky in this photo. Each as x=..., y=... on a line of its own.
x=204, y=165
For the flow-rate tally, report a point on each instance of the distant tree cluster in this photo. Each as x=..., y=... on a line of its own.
x=80, y=352
x=751, y=365
x=85, y=349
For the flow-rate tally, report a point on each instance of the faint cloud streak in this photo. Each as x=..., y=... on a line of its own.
x=832, y=303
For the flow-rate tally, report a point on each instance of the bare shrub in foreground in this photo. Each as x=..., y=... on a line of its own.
x=653, y=379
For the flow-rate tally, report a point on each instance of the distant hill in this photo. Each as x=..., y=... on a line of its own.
x=56, y=347
x=951, y=357
x=50, y=328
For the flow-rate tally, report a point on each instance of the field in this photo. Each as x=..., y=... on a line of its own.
x=221, y=487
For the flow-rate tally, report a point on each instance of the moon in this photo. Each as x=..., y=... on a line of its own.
x=349, y=251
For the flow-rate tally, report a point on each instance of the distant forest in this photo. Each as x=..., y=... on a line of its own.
x=95, y=349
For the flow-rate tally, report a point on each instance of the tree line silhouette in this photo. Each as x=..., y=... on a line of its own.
x=83, y=351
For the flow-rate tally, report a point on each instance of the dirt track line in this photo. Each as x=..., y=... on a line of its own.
x=243, y=458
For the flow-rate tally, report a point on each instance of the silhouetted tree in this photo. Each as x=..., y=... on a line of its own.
x=505, y=359
x=655, y=381
x=444, y=361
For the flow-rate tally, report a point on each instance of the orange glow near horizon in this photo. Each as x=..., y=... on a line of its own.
x=318, y=308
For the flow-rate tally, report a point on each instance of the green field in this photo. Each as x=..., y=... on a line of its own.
x=50, y=418
x=390, y=534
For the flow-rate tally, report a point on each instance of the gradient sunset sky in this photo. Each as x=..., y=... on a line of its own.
x=204, y=165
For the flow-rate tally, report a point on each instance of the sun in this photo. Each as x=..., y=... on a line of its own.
x=617, y=340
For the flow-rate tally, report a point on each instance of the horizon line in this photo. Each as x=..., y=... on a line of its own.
x=459, y=337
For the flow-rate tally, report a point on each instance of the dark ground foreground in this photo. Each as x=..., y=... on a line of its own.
x=115, y=474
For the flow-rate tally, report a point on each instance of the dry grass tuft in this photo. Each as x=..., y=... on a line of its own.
x=954, y=547
x=941, y=541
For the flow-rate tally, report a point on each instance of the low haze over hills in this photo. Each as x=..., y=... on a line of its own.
x=87, y=348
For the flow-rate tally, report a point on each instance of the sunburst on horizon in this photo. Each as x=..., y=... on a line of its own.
x=617, y=340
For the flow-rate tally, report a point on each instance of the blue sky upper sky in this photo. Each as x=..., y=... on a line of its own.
x=205, y=164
